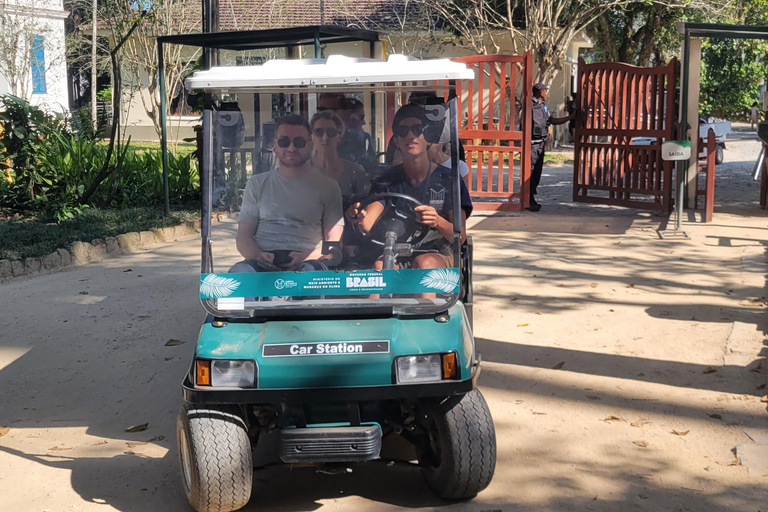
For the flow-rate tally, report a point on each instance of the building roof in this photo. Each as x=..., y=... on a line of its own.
x=264, y=14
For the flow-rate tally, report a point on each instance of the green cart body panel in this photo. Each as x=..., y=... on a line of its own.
x=241, y=339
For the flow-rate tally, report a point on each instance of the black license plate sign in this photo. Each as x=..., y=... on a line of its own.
x=326, y=348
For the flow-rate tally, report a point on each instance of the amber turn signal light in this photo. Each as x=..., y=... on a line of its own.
x=449, y=366
x=203, y=373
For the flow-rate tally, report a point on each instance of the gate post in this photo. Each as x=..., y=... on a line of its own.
x=525, y=127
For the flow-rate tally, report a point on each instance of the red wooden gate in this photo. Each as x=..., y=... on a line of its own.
x=625, y=113
x=496, y=140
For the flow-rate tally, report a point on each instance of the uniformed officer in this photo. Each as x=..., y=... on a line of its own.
x=541, y=119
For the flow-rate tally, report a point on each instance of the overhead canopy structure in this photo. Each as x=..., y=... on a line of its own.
x=244, y=40
x=336, y=70
x=690, y=83
x=273, y=38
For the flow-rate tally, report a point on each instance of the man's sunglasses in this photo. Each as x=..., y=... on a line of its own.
x=402, y=130
x=330, y=132
x=298, y=142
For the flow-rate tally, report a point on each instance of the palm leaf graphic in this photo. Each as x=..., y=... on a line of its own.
x=214, y=286
x=441, y=279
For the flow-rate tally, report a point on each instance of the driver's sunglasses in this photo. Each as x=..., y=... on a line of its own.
x=298, y=142
x=402, y=130
x=330, y=132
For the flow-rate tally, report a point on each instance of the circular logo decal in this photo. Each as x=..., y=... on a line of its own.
x=279, y=284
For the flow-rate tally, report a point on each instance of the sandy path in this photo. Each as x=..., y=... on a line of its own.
x=637, y=322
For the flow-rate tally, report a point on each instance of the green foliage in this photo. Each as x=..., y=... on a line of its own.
x=732, y=71
x=30, y=238
x=51, y=166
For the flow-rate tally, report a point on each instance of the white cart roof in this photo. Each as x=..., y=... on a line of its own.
x=335, y=70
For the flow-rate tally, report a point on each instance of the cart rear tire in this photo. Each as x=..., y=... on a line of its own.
x=215, y=458
x=463, y=454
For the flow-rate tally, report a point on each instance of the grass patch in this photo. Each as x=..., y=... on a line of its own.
x=29, y=238
x=182, y=148
x=557, y=158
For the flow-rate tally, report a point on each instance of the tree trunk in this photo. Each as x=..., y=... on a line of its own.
x=94, y=77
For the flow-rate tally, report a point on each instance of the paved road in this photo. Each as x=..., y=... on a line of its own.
x=651, y=337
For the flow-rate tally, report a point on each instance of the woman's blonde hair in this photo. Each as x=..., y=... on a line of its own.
x=329, y=115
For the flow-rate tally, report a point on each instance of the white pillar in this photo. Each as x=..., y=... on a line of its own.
x=694, y=81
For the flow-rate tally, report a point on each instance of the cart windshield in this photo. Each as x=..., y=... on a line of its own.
x=332, y=198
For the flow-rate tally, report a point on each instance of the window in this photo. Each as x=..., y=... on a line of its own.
x=37, y=56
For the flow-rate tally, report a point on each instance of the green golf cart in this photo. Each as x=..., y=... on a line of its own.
x=329, y=352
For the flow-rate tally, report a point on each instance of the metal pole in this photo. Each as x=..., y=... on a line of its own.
x=163, y=134
x=318, y=52
x=684, y=127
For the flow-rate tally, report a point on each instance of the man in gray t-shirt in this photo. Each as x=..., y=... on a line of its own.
x=290, y=208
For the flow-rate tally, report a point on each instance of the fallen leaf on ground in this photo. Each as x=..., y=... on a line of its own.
x=100, y=442
x=513, y=298
x=593, y=285
x=735, y=462
x=593, y=397
x=137, y=428
x=83, y=293
x=539, y=313
x=715, y=416
x=522, y=325
x=631, y=285
x=612, y=418
x=640, y=423
x=57, y=449
x=128, y=270
x=559, y=365
x=561, y=286
x=173, y=343
x=680, y=433
x=709, y=369
x=764, y=399
x=761, y=386
x=641, y=444
x=4, y=430
x=753, y=302
x=134, y=444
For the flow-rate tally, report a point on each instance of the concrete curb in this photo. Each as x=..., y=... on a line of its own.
x=82, y=253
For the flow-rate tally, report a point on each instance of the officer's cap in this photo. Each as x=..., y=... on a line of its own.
x=540, y=87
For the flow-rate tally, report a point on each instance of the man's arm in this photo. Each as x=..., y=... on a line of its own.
x=248, y=247
x=562, y=120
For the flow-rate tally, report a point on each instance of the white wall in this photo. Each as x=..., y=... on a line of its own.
x=45, y=18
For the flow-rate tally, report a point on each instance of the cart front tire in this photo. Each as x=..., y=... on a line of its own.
x=463, y=441
x=719, y=155
x=215, y=458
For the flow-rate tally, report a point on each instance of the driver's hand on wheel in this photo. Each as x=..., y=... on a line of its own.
x=427, y=215
x=354, y=213
x=266, y=260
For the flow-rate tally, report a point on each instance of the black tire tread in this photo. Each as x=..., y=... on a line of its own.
x=468, y=444
x=221, y=459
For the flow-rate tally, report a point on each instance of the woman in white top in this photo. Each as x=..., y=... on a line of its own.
x=441, y=154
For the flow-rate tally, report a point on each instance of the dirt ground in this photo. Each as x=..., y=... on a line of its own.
x=622, y=370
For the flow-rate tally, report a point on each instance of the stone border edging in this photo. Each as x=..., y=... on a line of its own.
x=82, y=253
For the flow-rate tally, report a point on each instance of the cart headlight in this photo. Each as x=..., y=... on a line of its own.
x=232, y=374
x=423, y=368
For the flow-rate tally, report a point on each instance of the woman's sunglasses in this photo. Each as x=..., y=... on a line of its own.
x=402, y=130
x=298, y=142
x=330, y=132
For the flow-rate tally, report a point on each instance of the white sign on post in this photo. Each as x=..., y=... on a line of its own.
x=675, y=150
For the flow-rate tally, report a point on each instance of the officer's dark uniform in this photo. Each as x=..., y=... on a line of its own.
x=540, y=120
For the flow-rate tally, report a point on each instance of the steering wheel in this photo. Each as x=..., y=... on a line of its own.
x=396, y=217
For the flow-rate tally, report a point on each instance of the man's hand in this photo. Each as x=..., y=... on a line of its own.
x=265, y=260
x=297, y=258
x=354, y=213
x=428, y=216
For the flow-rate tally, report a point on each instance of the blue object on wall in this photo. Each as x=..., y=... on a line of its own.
x=37, y=55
